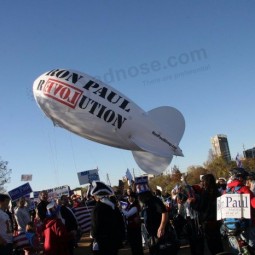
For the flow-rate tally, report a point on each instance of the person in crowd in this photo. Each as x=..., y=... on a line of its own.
x=158, y=193
x=132, y=214
x=156, y=223
x=6, y=239
x=237, y=184
x=187, y=222
x=76, y=200
x=38, y=226
x=206, y=206
x=222, y=184
x=250, y=182
x=106, y=223
x=42, y=205
x=70, y=222
x=22, y=215
x=35, y=246
x=56, y=237
x=10, y=212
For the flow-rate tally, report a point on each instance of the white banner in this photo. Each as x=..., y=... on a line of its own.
x=58, y=192
x=233, y=206
x=88, y=176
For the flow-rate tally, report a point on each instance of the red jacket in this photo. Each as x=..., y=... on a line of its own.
x=56, y=237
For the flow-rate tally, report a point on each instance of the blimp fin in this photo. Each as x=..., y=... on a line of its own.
x=171, y=122
x=150, y=163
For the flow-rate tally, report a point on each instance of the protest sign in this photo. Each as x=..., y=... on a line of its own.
x=26, y=177
x=233, y=206
x=88, y=176
x=141, y=184
x=20, y=191
x=57, y=192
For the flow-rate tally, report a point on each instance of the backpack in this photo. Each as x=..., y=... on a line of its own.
x=233, y=226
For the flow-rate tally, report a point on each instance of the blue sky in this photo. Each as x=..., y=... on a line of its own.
x=199, y=58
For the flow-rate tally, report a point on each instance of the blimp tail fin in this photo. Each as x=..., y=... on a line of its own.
x=171, y=122
x=150, y=163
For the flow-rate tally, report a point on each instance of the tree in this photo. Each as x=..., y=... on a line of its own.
x=249, y=164
x=193, y=174
x=219, y=167
x=4, y=174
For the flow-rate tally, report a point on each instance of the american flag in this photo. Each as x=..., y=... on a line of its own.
x=21, y=241
x=83, y=216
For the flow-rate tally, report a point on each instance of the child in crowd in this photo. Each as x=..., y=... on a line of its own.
x=38, y=225
x=56, y=237
x=34, y=242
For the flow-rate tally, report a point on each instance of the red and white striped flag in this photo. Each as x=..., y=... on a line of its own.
x=21, y=241
x=83, y=216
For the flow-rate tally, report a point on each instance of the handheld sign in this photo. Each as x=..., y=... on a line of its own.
x=94, y=110
x=57, y=192
x=20, y=191
x=26, y=177
x=88, y=176
x=233, y=206
x=141, y=184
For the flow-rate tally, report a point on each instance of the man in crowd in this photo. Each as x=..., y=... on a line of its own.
x=42, y=205
x=6, y=239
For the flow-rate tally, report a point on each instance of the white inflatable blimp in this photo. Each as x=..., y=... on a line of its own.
x=91, y=109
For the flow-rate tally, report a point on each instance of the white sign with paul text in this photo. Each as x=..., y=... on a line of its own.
x=233, y=206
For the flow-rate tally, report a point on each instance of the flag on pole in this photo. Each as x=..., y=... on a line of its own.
x=238, y=161
x=129, y=177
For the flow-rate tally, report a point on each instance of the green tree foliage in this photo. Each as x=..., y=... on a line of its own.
x=4, y=174
x=249, y=164
x=194, y=173
x=219, y=167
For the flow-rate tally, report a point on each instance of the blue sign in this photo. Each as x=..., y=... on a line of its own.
x=93, y=177
x=88, y=176
x=141, y=180
x=21, y=191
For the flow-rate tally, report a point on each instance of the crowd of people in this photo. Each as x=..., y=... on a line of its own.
x=139, y=217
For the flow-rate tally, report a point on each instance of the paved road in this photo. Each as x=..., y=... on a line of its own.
x=84, y=248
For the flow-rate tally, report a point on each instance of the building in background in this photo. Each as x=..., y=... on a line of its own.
x=250, y=153
x=220, y=147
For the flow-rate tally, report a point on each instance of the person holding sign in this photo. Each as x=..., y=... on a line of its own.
x=236, y=184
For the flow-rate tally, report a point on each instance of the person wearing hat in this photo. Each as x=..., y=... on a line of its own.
x=132, y=214
x=56, y=237
x=221, y=184
x=107, y=225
